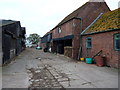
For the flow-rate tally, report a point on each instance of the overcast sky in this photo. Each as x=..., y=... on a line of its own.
x=40, y=16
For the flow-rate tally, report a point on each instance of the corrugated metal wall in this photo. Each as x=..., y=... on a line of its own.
x=6, y=47
x=0, y=44
x=12, y=44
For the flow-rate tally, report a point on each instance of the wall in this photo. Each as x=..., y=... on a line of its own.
x=66, y=29
x=11, y=41
x=102, y=41
x=88, y=12
x=45, y=40
x=1, y=45
x=72, y=27
x=1, y=56
x=43, y=45
x=91, y=11
x=76, y=39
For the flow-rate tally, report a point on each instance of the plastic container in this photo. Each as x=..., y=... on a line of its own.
x=89, y=60
x=82, y=59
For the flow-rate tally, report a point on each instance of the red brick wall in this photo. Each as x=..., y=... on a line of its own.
x=66, y=29
x=91, y=11
x=105, y=42
x=88, y=13
x=76, y=39
x=70, y=28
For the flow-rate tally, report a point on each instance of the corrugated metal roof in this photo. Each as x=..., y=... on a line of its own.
x=6, y=22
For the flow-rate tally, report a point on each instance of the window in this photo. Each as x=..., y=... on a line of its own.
x=59, y=30
x=117, y=41
x=88, y=42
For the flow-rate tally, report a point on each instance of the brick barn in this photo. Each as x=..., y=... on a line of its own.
x=66, y=35
x=104, y=35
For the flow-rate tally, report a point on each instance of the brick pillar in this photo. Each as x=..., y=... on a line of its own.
x=76, y=39
x=54, y=46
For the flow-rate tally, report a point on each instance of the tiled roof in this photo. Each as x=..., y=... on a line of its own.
x=106, y=22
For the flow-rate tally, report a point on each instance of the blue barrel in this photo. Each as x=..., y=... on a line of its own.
x=89, y=60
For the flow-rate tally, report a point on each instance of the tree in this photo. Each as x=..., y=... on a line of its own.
x=33, y=38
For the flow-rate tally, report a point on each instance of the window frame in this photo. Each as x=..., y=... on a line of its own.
x=59, y=30
x=115, y=48
x=88, y=41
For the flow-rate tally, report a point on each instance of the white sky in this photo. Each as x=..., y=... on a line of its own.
x=40, y=16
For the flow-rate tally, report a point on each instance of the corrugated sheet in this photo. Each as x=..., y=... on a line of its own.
x=64, y=38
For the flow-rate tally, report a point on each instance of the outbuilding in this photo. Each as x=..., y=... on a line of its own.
x=104, y=36
x=66, y=35
x=13, y=39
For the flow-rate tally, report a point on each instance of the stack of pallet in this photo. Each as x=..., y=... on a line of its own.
x=68, y=51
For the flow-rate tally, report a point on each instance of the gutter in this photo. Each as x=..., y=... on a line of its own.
x=109, y=30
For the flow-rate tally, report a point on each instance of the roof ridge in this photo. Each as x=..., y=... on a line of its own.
x=96, y=0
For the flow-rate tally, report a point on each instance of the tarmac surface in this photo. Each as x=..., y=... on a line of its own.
x=36, y=69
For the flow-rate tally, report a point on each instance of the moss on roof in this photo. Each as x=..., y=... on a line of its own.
x=108, y=21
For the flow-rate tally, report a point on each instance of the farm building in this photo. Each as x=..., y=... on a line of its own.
x=66, y=35
x=46, y=41
x=13, y=39
x=104, y=36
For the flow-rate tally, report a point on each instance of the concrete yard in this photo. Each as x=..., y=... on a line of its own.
x=36, y=69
